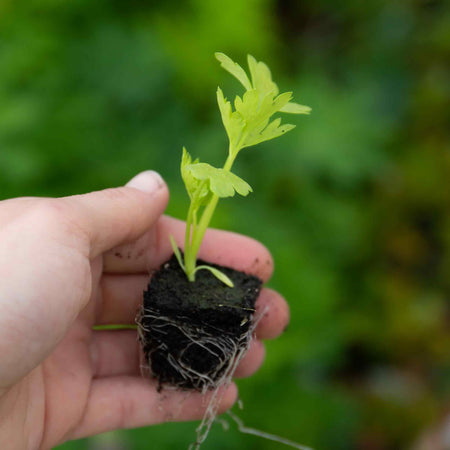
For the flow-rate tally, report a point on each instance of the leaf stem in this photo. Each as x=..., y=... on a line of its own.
x=115, y=327
x=192, y=246
x=190, y=271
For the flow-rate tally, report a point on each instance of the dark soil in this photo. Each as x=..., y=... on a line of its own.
x=190, y=331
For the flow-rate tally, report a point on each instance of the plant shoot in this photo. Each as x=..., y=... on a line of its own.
x=248, y=123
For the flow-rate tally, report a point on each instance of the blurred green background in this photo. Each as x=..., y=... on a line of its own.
x=354, y=204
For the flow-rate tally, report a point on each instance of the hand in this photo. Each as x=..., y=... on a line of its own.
x=71, y=263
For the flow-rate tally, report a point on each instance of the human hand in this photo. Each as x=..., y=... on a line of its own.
x=71, y=263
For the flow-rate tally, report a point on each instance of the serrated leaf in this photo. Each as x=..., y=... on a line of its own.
x=295, y=108
x=272, y=131
x=218, y=274
x=221, y=182
x=234, y=68
x=261, y=77
x=176, y=251
x=197, y=193
x=232, y=121
x=188, y=180
x=248, y=105
x=268, y=134
x=239, y=185
x=224, y=106
x=249, y=123
x=281, y=101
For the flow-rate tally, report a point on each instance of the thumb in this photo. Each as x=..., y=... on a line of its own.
x=115, y=216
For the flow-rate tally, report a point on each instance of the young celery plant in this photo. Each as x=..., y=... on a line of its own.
x=247, y=125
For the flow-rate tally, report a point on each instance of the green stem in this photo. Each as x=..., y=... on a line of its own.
x=197, y=236
x=187, y=246
x=193, y=246
x=114, y=327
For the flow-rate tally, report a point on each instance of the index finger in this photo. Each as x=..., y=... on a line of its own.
x=218, y=247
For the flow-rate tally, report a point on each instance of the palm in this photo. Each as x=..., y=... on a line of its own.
x=59, y=390
x=89, y=382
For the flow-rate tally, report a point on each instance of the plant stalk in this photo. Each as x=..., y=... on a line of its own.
x=192, y=246
x=190, y=271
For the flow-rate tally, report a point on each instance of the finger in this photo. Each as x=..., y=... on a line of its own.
x=272, y=313
x=131, y=402
x=218, y=247
x=115, y=353
x=252, y=360
x=114, y=216
x=122, y=297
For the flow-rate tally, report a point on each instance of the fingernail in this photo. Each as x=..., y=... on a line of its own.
x=148, y=181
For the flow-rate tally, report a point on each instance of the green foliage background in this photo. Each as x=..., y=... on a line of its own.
x=354, y=204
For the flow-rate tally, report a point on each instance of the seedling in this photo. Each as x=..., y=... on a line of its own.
x=194, y=327
x=248, y=124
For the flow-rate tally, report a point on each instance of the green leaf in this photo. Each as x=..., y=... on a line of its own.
x=234, y=68
x=232, y=121
x=176, y=252
x=197, y=192
x=218, y=274
x=272, y=131
x=295, y=108
x=221, y=182
x=261, y=77
x=281, y=101
x=188, y=180
x=249, y=124
x=225, y=107
x=248, y=106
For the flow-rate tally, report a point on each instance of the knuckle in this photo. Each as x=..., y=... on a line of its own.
x=49, y=210
x=55, y=216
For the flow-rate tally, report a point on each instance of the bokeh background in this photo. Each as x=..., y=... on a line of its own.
x=354, y=204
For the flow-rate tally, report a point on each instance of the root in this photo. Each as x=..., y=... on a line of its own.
x=213, y=405
x=222, y=347
x=262, y=434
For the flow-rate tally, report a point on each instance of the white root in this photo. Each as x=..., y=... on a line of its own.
x=262, y=434
x=211, y=411
x=221, y=346
x=228, y=353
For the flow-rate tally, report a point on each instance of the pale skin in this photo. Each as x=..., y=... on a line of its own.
x=70, y=263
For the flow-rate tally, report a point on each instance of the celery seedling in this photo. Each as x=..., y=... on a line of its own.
x=247, y=125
